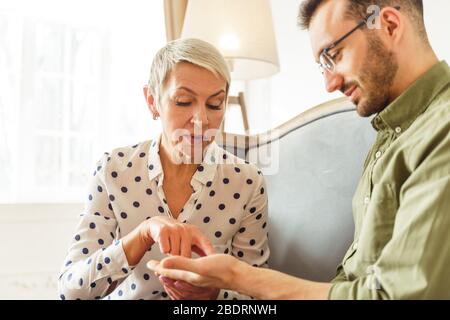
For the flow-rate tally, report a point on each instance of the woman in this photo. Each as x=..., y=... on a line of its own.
x=178, y=193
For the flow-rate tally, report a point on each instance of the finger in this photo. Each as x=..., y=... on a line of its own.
x=173, y=294
x=199, y=240
x=180, y=263
x=186, y=295
x=167, y=281
x=184, y=291
x=184, y=286
x=181, y=286
x=186, y=243
x=175, y=244
x=198, y=251
x=175, y=274
x=164, y=242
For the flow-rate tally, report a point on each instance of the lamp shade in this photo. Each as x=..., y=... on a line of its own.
x=241, y=29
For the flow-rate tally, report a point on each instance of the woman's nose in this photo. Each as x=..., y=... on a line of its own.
x=200, y=118
x=333, y=81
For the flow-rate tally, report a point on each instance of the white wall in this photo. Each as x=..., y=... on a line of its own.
x=299, y=85
x=33, y=243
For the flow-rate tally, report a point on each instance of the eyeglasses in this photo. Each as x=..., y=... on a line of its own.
x=326, y=62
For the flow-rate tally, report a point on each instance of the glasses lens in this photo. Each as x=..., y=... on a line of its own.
x=326, y=62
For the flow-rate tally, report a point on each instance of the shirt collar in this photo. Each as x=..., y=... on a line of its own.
x=401, y=113
x=205, y=172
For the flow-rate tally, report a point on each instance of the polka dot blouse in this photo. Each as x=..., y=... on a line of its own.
x=228, y=204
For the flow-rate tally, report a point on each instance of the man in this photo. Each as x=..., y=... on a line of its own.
x=401, y=248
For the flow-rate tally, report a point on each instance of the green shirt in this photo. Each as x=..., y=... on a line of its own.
x=401, y=208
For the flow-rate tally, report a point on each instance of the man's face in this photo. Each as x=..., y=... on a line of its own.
x=365, y=70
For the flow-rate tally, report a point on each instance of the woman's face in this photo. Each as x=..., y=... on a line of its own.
x=192, y=106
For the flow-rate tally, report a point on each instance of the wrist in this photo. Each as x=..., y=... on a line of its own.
x=135, y=244
x=238, y=271
x=144, y=235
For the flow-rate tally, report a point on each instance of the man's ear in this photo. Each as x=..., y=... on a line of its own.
x=149, y=98
x=393, y=23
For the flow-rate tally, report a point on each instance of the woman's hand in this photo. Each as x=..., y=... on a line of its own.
x=214, y=271
x=181, y=290
x=173, y=237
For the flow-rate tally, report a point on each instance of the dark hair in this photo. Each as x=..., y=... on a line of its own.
x=357, y=9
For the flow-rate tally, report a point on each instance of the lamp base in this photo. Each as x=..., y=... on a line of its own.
x=240, y=101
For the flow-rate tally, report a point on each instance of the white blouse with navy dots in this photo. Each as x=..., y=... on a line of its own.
x=228, y=204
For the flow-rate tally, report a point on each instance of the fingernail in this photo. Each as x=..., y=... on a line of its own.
x=152, y=264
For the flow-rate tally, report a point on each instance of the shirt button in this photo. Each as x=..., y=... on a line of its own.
x=355, y=246
x=398, y=130
x=378, y=154
x=366, y=200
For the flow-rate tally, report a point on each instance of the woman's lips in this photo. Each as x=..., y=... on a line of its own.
x=196, y=139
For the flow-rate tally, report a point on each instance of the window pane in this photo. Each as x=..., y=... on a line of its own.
x=80, y=162
x=71, y=78
x=46, y=161
x=47, y=112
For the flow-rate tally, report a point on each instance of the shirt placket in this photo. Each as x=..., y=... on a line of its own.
x=189, y=207
x=161, y=195
x=379, y=148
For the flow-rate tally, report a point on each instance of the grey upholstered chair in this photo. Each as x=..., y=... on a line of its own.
x=321, y=156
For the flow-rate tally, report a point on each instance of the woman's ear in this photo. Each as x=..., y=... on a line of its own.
x=151, y=103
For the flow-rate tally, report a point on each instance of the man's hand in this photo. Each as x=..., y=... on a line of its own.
x=213, y=271
x=227, y=272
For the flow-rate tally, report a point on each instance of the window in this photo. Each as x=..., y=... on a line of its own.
x=71, y=89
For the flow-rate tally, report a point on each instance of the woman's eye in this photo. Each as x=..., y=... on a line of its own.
x=215, y=106
x=183, y=103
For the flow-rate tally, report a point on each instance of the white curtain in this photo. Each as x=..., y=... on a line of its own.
x=71, y=88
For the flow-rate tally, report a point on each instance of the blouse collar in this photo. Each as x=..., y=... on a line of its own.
x=205, y=171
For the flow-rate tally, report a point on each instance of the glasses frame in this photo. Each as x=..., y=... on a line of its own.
x=324, y=56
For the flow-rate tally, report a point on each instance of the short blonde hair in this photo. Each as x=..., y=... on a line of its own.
x=195, y=51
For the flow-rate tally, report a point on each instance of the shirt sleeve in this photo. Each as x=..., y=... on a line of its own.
x=414, y=263
x=251, y=243
x=95, y=258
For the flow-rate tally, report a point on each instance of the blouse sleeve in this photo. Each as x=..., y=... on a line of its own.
x=95, y=258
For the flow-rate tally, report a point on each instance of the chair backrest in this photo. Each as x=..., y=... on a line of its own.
x=320, y=156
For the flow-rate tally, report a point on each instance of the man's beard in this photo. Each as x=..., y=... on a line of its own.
x=377, y=78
